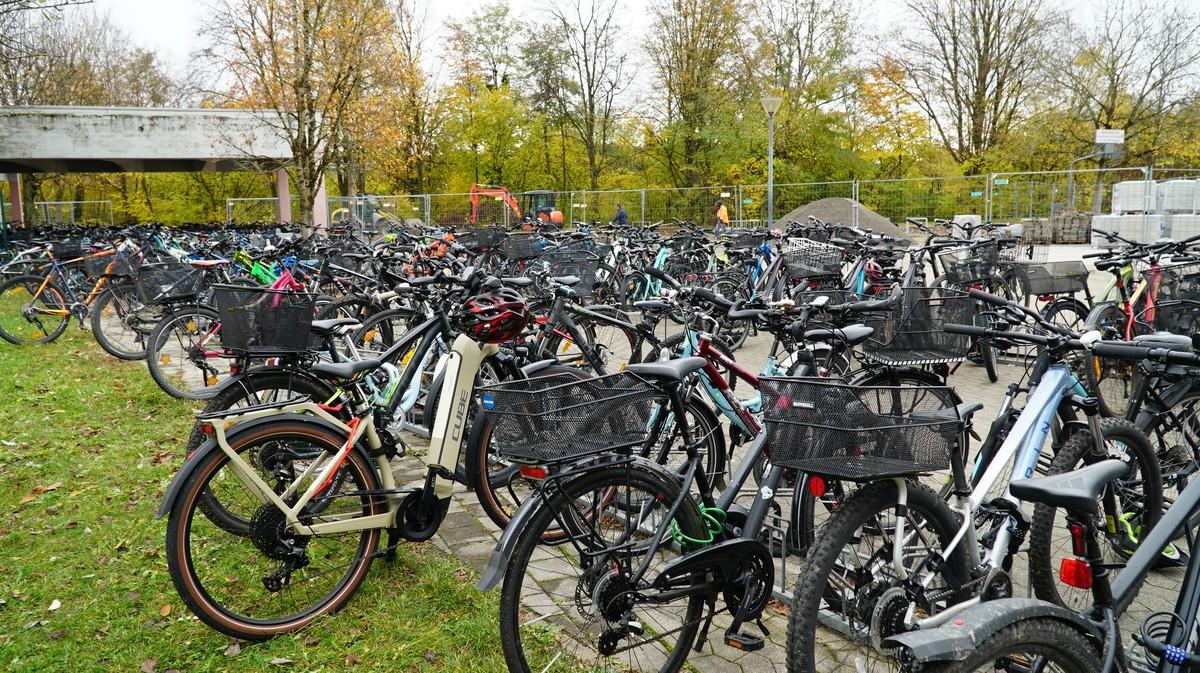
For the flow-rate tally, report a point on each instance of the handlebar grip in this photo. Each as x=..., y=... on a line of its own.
x=969, y=330
x=661, y=275
x=1125, y=351
x=988, y=297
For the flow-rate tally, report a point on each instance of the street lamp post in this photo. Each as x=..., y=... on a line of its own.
x=771, y=105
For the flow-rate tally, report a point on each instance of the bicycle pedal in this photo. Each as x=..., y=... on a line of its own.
x=744, y=642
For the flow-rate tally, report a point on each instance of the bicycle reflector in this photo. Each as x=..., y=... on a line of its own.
x=816, y=486
x=1075, y=572
x=533, y=472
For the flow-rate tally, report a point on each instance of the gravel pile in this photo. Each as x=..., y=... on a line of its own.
x=840, y=210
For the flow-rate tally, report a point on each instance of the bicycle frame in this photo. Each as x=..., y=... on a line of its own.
x=56, y=267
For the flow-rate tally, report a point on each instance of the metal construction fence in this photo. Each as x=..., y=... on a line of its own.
x=1002, y=197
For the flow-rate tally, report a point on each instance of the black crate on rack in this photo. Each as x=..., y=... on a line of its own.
x=582, y=265
x=65, y=250
x=557, y=418
x=857, y=433
x=969, y=264
x=803, y=258
x=479, y=240
x=263, y=321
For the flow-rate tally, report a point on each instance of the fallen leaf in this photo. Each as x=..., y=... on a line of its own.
x=311, y=641
x=352, y=659
x=55, y=486
x=165, y=609
x=233, y=650
x=149, y=666
x=281, y=661
x=55, y=604
x=28, y=498
x=430, y=656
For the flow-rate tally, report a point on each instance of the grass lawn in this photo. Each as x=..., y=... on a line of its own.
x=88, y=445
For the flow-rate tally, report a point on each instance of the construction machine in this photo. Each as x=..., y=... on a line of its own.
x=534, y=204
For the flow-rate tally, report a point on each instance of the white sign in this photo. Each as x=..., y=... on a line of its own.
x=1110, y=136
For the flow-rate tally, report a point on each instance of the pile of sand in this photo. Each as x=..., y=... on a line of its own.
x=840, y=210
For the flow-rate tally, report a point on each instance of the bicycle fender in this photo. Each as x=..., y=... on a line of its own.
x=210, y=445
x=535, y=367
x=502, y=554
x=963, y=634
x=264, y=369
x=1093, y=315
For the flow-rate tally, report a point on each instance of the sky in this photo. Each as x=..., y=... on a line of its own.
x=170, y=27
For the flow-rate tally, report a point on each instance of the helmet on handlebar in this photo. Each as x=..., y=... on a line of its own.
x=494, y=316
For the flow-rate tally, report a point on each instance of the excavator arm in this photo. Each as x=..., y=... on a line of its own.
x=478, y=191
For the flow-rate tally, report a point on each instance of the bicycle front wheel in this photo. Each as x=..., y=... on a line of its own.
x=1031, y=645
x=30, y=316
x=185, y=355
x=122, y=324
x=267, y=579
x=579, y=603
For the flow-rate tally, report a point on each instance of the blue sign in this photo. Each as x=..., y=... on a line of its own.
x=488, y=401
x=1001, y=181
x=976, y=193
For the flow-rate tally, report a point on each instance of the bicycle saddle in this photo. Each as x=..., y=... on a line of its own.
x=672, y=370
x=326, y=327
x=517, y=281
x=1174, y=342
x=962, y=412
x=344, y=370
x=567, y=281
x=851, y=334
x=356, y=255
x=1076, y=491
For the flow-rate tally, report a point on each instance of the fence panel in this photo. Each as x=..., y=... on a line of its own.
x=72, y=213
x=257, y=209
x=924, y=198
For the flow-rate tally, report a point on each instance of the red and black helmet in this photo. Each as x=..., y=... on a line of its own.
x=494, y=316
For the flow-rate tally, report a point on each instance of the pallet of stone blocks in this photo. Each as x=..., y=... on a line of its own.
x=1183, y=227
x=1037, y=230
x=1072, y=226
x=1146, y=228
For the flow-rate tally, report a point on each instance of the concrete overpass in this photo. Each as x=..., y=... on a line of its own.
x=115, y=139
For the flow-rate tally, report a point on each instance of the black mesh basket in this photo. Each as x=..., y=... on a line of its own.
x=1177, y=303
x=858, y=433
x=747, y=239
x=479, y=240
x=262, y=321
x=117, y=264
x=1052, y=278
x=168, y=281
x=803, y=258
x=582, y=265
x=966, y=265
x=1016, y=250
x=551, y=419
x=64, y=250
x=523, y=246
x=913, y=332
x=339, y=258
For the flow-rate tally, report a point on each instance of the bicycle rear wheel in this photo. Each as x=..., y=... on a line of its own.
x=267, y=580
x=1048, y=645
x=26, y=319
x=1111, y=381
x=574, y=602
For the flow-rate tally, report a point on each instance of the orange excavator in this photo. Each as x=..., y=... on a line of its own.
x=538, y=203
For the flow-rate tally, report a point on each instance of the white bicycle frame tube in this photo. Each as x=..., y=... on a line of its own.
x=454, y=404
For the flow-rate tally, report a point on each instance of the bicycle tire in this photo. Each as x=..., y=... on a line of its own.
x=121, y=323
x=1058, y=645
x=1043, y=569
x=197, y=593
x=1112, y=382
x=857, y=512
x=177, y=329
x=15, y=294
x=584, y=489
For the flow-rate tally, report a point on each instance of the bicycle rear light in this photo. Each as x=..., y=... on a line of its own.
x=1075, y=572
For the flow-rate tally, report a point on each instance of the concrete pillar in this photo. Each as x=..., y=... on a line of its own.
x=18, y=210
x=283, y=195
x=320, y=209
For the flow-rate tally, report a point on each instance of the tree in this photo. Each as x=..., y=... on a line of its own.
x=302, y=64
x=806, y=47
x=694, y=49
x=596, y=67
x=1135, y=68
x=974, y=66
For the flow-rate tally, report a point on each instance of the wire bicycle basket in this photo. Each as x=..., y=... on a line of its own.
x=557, y=418
x=803, y=258
x=858, y=433
x=970, y=264
x=167, y=282
x=66, y=250
x=582, y=265
x=518, y=247
x=1176, y=293
x=116, y=264
x=479, y=240
x=264, y=321
x=1040, y=280
x=913, y=331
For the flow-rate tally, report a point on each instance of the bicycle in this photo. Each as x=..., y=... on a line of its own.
x=1025, y=634
x=862, y=581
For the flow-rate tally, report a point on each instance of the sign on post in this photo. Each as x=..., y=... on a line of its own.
x=1110, y=136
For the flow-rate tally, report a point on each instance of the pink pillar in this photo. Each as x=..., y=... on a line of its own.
x=283, y=206
x=18, y=210
x=320, y=208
